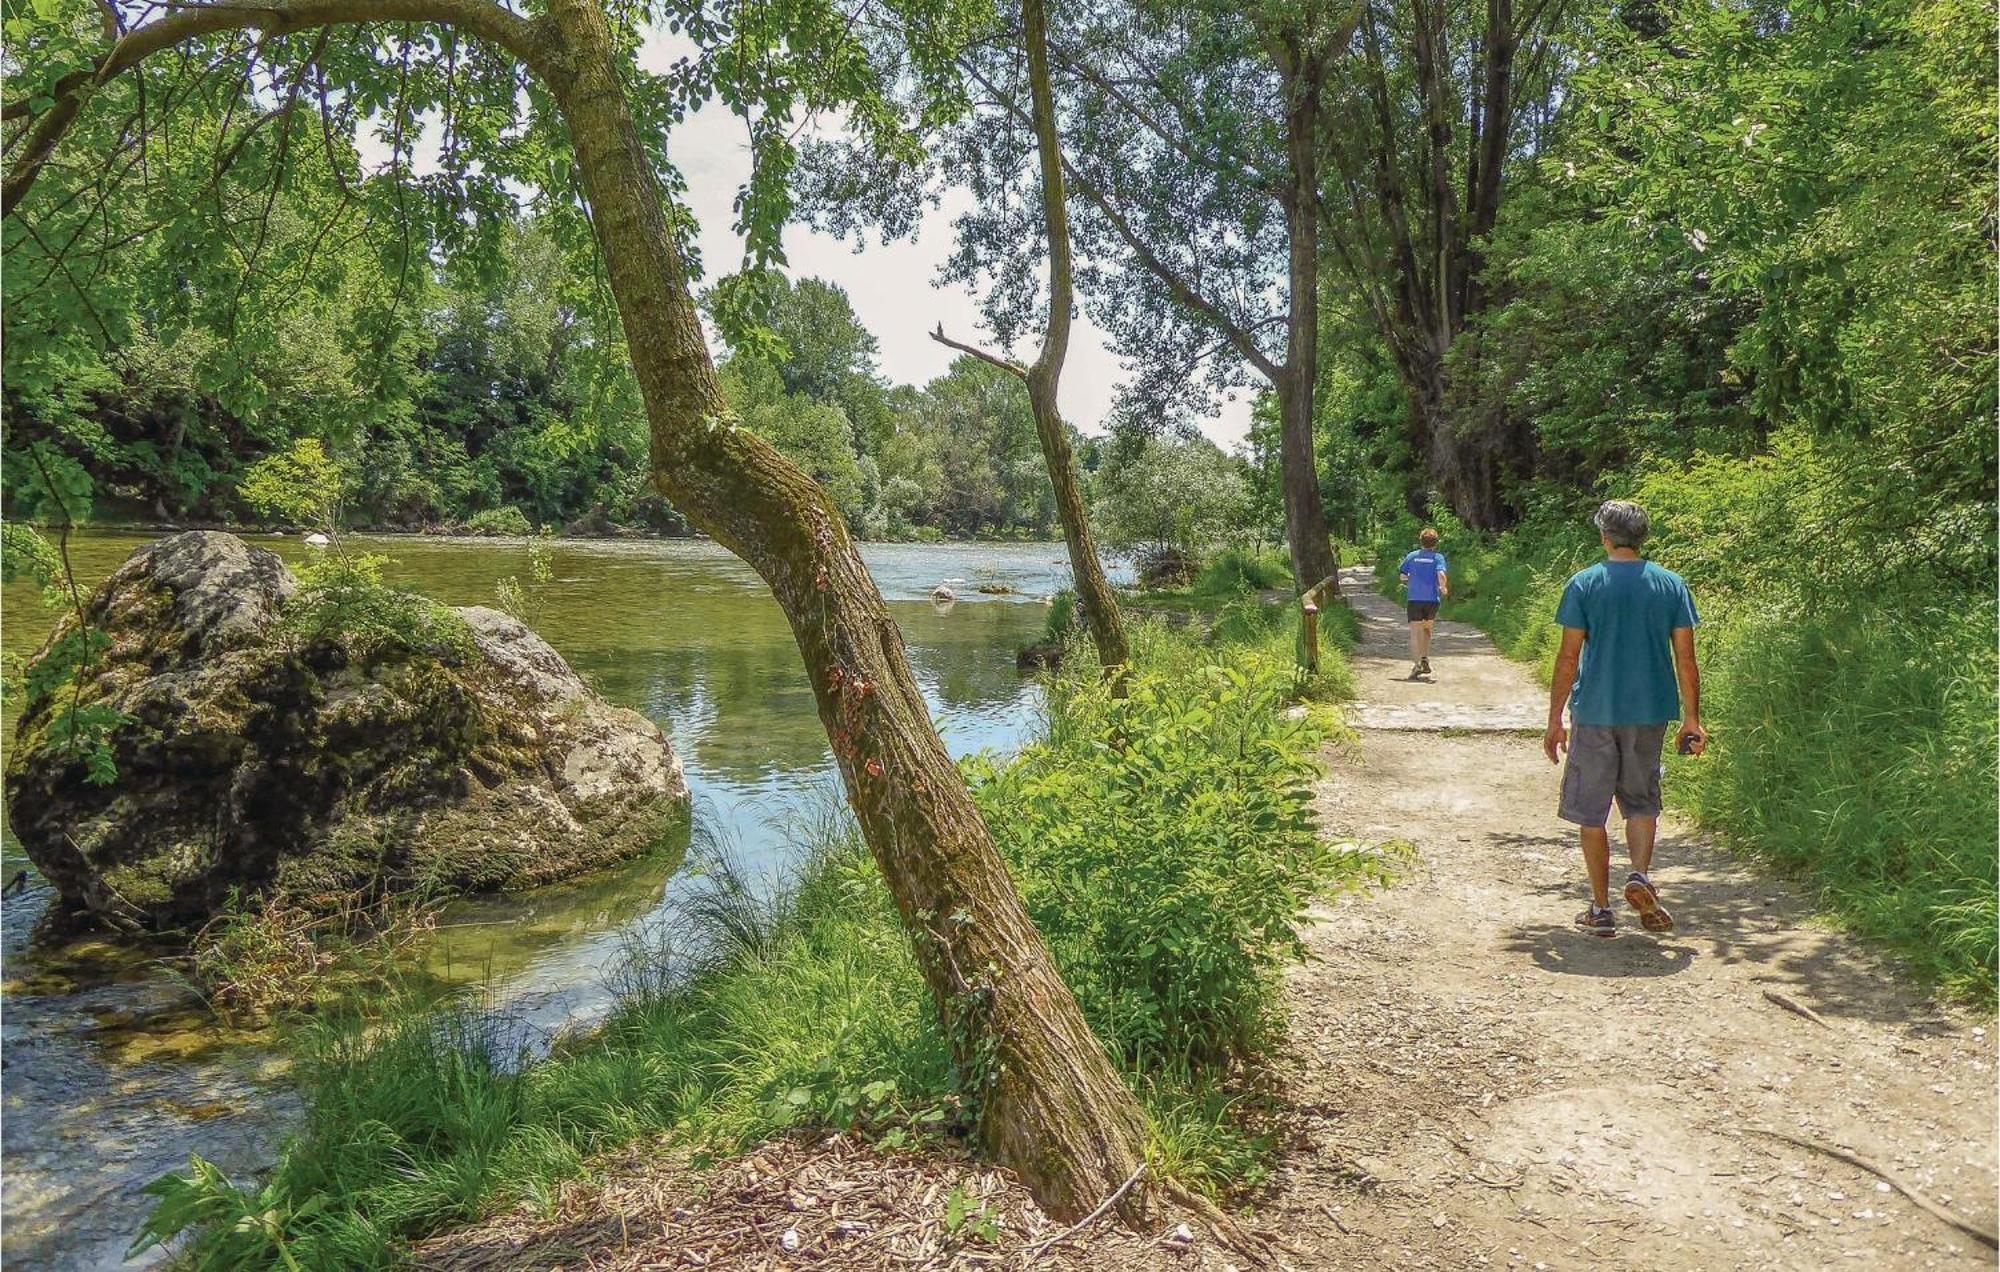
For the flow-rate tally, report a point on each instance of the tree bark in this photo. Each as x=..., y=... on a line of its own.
x=1093, y=590
x=1305, y=512
x=1051, y=1105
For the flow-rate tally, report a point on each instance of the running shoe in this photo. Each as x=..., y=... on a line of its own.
x=1426, y=665
x=1597, y=922
x=1643, y=897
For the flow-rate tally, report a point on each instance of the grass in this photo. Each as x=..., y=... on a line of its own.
x=1853, y=746
x=1162, y=842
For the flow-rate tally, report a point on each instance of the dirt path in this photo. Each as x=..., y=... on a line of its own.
x=1482, y=1087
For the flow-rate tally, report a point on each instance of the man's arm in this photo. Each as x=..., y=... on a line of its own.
x=1567, y=657
x=1444, y=584
x=1689, y=675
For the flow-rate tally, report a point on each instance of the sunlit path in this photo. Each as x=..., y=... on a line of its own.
x=1483, y=1087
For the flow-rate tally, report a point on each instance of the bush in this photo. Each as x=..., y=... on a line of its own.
x=343, y=598
x=505, y=520
x=1165, y=847
x=1235, y=571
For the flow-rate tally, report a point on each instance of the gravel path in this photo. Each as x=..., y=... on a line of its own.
x=1482, y=1087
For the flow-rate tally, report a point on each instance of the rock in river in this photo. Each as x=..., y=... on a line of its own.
x=261, y=755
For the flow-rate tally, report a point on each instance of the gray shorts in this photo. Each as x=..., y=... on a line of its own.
x=1607, y=760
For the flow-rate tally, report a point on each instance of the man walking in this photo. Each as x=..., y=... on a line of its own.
x=1424, y=585
x=1626, y=670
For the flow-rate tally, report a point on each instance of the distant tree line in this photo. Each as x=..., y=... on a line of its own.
x=497, y=403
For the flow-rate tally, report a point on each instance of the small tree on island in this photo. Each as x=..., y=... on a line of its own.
x=1169, y=504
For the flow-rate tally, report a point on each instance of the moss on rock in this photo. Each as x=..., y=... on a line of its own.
x=258, y=760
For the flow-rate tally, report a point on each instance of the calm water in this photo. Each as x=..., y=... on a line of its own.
x=111, y=1076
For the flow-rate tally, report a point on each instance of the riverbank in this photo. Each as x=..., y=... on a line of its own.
x=115, y=1073
x=1168, y=874
x=1852, y=742
x=582, y=530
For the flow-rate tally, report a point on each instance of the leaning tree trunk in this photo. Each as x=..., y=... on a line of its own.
x=1053, y=1107
x=1093, y=590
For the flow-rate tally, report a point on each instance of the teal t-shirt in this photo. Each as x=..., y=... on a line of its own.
x=1628, y=612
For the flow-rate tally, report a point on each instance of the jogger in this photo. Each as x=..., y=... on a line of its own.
x=1625, y=670
x=1425, y=584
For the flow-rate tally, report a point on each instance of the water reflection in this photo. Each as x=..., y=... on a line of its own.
x=113, y=1077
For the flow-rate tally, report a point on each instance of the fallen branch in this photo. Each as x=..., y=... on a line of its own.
x=1797, y=1008
x=1036, y=1251
x=1895, y=1181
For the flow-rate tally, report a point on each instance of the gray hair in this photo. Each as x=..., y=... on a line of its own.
x=1623, y=522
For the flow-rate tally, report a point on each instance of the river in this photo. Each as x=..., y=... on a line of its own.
x=111, y=1075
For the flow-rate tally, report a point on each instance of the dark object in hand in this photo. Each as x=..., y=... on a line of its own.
x=1686, y=744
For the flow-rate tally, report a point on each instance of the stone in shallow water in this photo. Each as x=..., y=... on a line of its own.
x=258, y=760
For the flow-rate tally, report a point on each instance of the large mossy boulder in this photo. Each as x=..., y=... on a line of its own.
x=264, y=754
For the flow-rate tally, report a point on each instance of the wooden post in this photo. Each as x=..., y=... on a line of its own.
x=1311, y=612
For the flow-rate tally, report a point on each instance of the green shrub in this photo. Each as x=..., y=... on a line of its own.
x=344, y=598
x=301, y=484
x=505, y=520
x=1165, y=847
x=1234, y=571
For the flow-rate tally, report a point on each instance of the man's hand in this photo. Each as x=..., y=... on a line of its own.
x=1691, y=729
x=1556, y=739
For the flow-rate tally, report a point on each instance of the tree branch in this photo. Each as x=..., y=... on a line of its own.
x=479, y=17
x=1183, y=290
x=992, y=359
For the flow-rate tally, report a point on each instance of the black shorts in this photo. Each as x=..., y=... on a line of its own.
x=1423, y=611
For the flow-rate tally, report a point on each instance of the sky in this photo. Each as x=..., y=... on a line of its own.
x=894, y=287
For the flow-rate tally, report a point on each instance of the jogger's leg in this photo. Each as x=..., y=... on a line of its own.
x=1639, y=835
x=1420, y=640
x=1597, y=860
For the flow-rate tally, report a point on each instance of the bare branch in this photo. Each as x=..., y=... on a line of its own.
x=992, y=359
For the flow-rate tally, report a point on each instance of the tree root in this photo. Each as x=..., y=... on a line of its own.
x=1254, y=1246
x=1042, y=1246
x=1923, y=1203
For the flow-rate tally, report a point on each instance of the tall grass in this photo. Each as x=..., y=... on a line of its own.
x=1162, y=842
x=1853, y=725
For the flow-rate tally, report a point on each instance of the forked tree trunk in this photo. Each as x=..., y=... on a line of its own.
x=1053, y=1107
x=1093, y=590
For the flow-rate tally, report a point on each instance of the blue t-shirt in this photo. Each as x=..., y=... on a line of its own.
x=1423, y=566
x=1628, y=612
